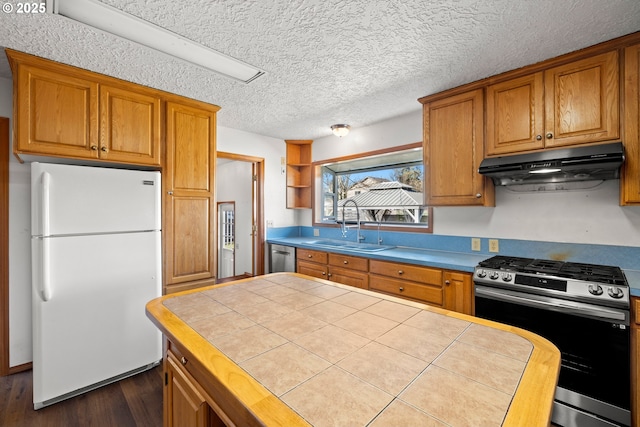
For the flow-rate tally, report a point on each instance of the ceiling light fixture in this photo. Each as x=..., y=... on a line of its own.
x=114, y=21
x=340, y=130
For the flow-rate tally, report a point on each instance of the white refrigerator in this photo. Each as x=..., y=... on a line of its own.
x=96, y=262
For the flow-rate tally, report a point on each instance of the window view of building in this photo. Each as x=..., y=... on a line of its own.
x=383, y=189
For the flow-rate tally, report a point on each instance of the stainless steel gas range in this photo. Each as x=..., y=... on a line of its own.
x=584, y=310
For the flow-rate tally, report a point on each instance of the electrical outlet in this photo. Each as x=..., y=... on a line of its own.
x=269, y=223
x=493, y=245
x=475, y=244
x=316, y=232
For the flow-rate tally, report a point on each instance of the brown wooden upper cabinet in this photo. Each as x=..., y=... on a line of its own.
x=453, y=150
x=630, y=179
x=63, y=111
x=574, y=103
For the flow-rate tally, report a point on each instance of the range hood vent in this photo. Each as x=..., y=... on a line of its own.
x=593, y=162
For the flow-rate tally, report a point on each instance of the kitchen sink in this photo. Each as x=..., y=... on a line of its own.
x=349, y=246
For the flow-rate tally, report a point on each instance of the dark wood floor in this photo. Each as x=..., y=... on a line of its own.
x=135, y=401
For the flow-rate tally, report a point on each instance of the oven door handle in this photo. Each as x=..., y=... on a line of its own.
x=554, y=304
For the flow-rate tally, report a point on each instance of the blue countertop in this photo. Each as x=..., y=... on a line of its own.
x=426, y=257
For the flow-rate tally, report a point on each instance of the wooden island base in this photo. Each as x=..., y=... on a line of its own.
x=288, y=349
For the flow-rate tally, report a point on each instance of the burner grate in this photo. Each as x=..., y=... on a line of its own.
x=571, y=270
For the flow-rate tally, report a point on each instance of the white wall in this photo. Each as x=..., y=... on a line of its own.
x=272, y=150
x=19, y=246
x=580, y=216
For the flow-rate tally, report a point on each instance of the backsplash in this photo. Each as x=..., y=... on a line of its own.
x=626, y=257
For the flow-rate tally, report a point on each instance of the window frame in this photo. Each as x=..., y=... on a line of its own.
x=318, y=211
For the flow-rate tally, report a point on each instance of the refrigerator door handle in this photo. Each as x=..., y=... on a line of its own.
x=45, y=290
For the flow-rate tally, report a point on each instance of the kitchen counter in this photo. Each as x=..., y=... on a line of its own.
x=425, y=257
x=291, y=349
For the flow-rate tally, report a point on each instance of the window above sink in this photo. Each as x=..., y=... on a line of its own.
x=386, y=186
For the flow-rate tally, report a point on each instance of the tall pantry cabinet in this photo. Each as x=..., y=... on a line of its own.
x=189, y=199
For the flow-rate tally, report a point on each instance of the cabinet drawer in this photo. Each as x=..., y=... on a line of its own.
x=347, y=276
x=352, y=262
x=311, y=255
x=312, y=269
x=402, y=288
x=408, y=272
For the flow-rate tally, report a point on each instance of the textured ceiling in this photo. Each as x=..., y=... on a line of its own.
x=327, y=61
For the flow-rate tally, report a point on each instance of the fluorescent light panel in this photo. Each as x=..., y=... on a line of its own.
x=119, y=23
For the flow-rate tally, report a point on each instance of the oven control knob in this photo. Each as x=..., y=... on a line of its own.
x=506, y=277
x=494, y=275
x=615, y=292
x=595, y=289
x=482, y=274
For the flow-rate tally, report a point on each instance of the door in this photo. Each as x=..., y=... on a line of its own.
x=246, y=174
x=89, y=323
x=226, y=240
x=84, y=200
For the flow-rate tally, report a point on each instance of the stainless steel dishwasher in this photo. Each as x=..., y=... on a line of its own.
x=282, y=258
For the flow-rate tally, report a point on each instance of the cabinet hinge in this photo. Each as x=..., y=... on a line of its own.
x=254, y=177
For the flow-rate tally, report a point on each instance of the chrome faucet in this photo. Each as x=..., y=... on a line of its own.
x=346, y=227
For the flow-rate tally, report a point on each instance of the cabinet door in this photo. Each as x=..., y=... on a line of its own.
x=184, y=401
x=582, y=101
x=57, y=114
x=189, y=197
x=453, y=150
x=515, y=115
x=458, y=292
x=129, y=126
x=630, y=179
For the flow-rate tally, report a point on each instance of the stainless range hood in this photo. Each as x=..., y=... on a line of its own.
x=593, y=162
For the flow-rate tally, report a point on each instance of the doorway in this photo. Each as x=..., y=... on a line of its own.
x=239, y=190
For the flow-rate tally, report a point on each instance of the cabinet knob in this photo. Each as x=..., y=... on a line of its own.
x=345, y=262
x=401, y=289
x=329, y=275
x=478, y=195
x=549, y=135
x=447, y=282
x=170, y=193
x=323, y=273
x=309, y=256
x=538, y=137
x=103, y=149
x=183, y=360
x=400, y=272
x=94, y=147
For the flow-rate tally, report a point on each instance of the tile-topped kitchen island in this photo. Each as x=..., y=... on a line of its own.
x=288, y=349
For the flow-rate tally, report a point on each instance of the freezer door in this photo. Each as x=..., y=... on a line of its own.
x=68, y=200
x=93, y=327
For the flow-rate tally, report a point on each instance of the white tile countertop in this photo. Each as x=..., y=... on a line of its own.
x=337, y=355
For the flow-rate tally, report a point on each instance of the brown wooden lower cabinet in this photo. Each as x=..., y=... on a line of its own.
x=452, y=290
x=185, y=403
